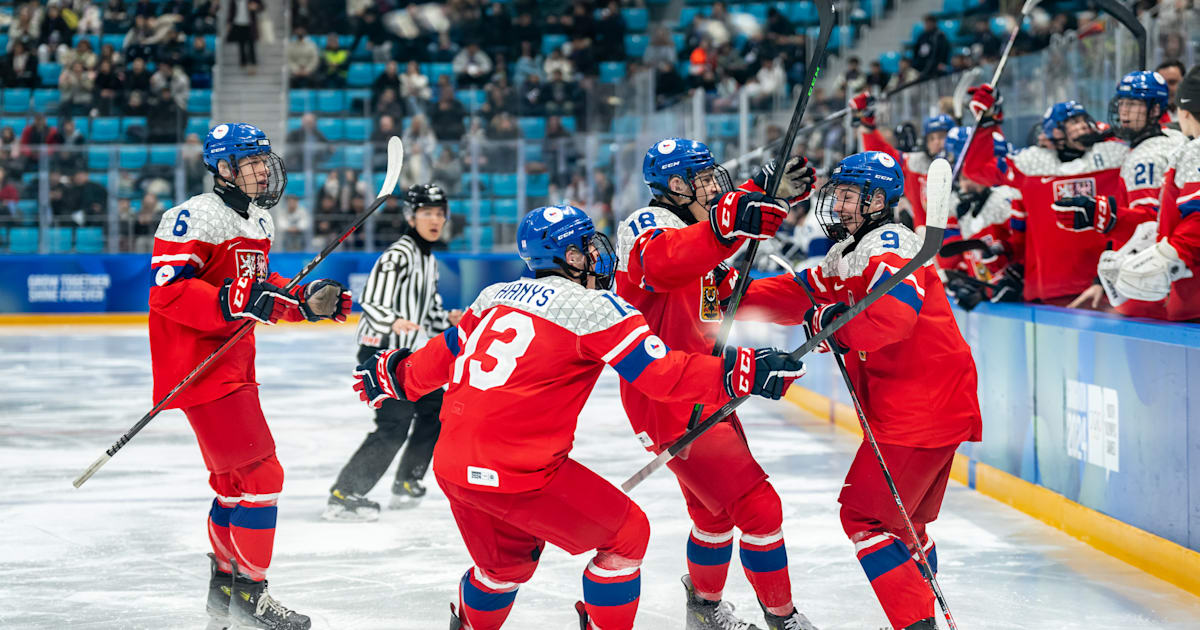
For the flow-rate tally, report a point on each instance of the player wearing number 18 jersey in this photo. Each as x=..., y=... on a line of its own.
x=520, y=366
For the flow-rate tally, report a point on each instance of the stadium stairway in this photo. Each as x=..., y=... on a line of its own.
x=259, y=98
x=887, y=35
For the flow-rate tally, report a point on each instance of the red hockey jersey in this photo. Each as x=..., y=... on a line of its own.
x=910, y=366
x=520, y=366
x=664, y=268
x=1058, y=262
x=197, y=246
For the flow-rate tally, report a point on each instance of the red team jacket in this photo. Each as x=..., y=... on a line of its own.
x=910, y=366
x=664, y=268
x=197, y=246
x=520, y=366
x=1058, y=262
x=1179, y=223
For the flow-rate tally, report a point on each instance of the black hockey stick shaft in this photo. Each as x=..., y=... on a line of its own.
x=244, y=328
x=922, y=559
x=929, y=248
x=1129, y=20
x=826, y=14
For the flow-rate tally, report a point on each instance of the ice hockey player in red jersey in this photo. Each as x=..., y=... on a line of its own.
x=1162, y=280
x=669, y=266
x=520, y=365
x=211, y=275
x=1058, y=247
x=913, y=373
x=915, y=164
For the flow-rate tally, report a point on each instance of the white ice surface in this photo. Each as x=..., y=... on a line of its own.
x=127, y=550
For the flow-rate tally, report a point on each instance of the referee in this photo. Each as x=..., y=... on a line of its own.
x=399, y=300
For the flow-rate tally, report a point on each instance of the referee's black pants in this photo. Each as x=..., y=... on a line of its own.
x=392, y=423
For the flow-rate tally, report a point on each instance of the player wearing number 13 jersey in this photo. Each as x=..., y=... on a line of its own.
x=520, y=365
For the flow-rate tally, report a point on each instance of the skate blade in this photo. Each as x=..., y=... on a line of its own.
x=403, y=502
x=338, y=513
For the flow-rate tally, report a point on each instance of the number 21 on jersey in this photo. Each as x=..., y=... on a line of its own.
x=503, y=353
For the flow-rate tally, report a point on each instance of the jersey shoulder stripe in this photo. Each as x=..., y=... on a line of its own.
x=648, y=219
x=207, y=219
x=559, y=301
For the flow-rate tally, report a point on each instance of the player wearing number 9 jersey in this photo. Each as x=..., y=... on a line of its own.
x=911, y=369
x=520, y=365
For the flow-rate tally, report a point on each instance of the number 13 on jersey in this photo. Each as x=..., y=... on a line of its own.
x=504, y=354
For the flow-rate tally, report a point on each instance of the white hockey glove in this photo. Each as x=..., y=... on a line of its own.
x=1109, y=267
x=1148, y=275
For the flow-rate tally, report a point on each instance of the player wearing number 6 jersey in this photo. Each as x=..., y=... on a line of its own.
x=520, y=366
x=670, y=266
x=911, y=369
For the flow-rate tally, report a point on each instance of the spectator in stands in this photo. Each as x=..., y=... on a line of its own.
x=583, y=56
x=243, y=31
x=335, y=63
x=304, y=61
x=501, y=133
x=904, y=74
x=443, y=50
x=877, y=79
x=137, y=104
x=389, y=105
x=171, y=78
x=448, y=116
x=84, y=202
x=768, y=83
x=558, y=62
x=26, y=28
x=326, y=218
x=524, y=29
x=985, y=46
x=385, y=128
x=138, y=78
x=497, y=29
x=448, y=170
x=54, y=31
x=1172, y=71
x=115, y=18
x=195, y=172
x=75, y=87
x=931, y=50
x=472, y=66
x=499, y=97
x=20, y=67
x=107, y=87
x=141, y=39
x=37, y=133
x=418, y=163
x=389, y=79
x=853, y=80
x=146, y=222
x=702, y=59
x=82, y=52
x=378, y=40
x=173, y=49
x=166, y=119
x=343, y=186
x=9, y=195
x=610, y=33
x=420, y=134
x=308, y=138
x=292, y=223
x=528, y=63
x=69, y=156
x=558, y=150
x=531, y=97
x=110, y=54
x=661, y=48
x=199, y=62
x=560, y=95
x=414, y=87
x=202, y=19
x=669, y=84
x=10, y=151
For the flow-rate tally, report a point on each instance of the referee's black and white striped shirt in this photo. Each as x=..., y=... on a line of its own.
x=402, y=285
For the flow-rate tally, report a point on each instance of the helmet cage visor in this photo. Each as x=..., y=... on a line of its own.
x=264, y=195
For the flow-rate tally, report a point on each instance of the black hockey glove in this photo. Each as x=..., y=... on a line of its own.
x=966, y=291
x=817, y=318
x=324, y=299
x=253, y=299
x=1079, y=214
x=1009, y=285
x=765, y=372
x=378, y=378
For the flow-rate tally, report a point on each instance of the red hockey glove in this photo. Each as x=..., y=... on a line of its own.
x=323, y=299
x=378, y=379
x=765, y=372
x=983, y=101
x=862, y=105
x=749, y=214
x=817, y=318
x=255, y=299
x=1079, y=214
x=726, y=278
x=799, y=177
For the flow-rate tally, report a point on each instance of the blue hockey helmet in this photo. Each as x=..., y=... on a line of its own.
x=232, y=143
x=1060, y=113
x=956, y=141
x=547, y=236
x=682, y=158
x=940, y=122
x=1147, y=87
x=844, y=204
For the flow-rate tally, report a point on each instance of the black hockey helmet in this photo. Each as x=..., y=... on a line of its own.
x=423, y=196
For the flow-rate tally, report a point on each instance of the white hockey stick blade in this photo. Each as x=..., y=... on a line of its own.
x=783, y=264
x=937, y=194
x=395, y=161
x=1028, y=8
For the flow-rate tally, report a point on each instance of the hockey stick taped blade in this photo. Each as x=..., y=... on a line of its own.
x=395, y=161
x=91, y=470
x=1030, y=5
x=937, y=194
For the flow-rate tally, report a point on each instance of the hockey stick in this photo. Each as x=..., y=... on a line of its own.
x=395, y=152
x=1128, y=19
x=938, y=187
x=930, y=578
x=1028, y=8
x=825, y=12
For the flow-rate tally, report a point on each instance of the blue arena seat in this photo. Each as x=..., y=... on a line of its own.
x=552, y=42
x=360, y=74
x=60, y=240
x=504, y=184
x=129, y=122
x=890, y=62
x=199, y=101
x=537, y=185
x=48, y=73
x=532, y=127
x=438, y=69
x=89, y=240
x=330, y=101
x=16, y=122
x=612, y=71
x=198, y=125
x=23, y=240
x=45, y=99
x=106, y=130
x=357, y=129
x=505, y=210
x=355, y=157
x=333, y=128
x=16, y=100
x=635, y=45
x=568, y=123
x=295, y=184
x=636, y=19
x=804, y=13
x=132, y=157
x=300, y=101
x=163, y=155
x=99, y=158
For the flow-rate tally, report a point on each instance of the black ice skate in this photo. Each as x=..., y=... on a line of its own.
x=455, y=622
x=350, y=507
x=925, y=624
x=703, y=614
x=581, y=610
x=794, y=621
x=251, y=606
x=220, y=584
x=406, y=494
